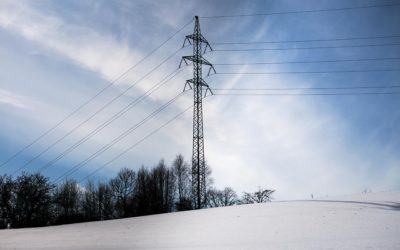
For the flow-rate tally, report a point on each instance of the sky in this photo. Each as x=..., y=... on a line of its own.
x=56, y=55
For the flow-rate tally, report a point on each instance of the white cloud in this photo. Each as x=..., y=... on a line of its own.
x=86, y=47
x=291, y=145
x=15, y=100
x=295, y=145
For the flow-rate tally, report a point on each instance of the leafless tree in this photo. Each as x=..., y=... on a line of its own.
x=142, y=192
x=221, y=198
x=7, y=200
x=161, y=188
x=123, y=188
x=89, y=202
x=104, y=201
x=260, y=196
x=33, y=200
x=181, y=170
x=214, y=198
x=229, y=197
x=67, y=198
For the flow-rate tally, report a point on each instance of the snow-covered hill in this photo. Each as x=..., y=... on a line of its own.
x=363, y=221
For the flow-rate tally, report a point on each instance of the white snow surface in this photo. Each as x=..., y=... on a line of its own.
x=361, y=221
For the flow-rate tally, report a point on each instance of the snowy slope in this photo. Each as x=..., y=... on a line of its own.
x=363, y=221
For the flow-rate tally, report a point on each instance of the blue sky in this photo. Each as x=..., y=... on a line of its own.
x=57, y=54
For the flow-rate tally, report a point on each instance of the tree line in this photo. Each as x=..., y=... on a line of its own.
x=32, y=200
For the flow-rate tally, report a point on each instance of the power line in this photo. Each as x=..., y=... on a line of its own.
x=304, y=11
x=119, y=138
x=111, y=119
x=308, y=40
x=317, y=47
x=307, y=94
x=305, y=72
x=96, y=112
x=93, y=97
x=134, y=145
x=307, y=88
x=317, y=61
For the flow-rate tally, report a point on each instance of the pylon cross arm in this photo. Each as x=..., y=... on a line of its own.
x=202, y=83
x=199, y=38
x=197, y=60
x=191, y=38
x=188, y=83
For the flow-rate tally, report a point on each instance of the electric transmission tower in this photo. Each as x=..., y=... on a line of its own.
x=198, y=84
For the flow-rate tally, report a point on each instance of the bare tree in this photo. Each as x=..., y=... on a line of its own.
x=214, y=198
x=104, y=201
x=67, y=199
x=221, y=198
x=123, y=188
x=161, y=188
x=33, y=200
x=7, y=199
x=182, y=171
x=170, y=190
x=229, y=197
x=89, y=203
x=209, y=182
x=260, y=196
x=142, y=192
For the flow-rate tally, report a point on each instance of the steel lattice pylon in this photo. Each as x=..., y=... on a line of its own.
x=197, y=84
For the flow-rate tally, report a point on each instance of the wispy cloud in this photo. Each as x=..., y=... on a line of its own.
x=15, y=100
x=88, y=48
x=297, y=145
